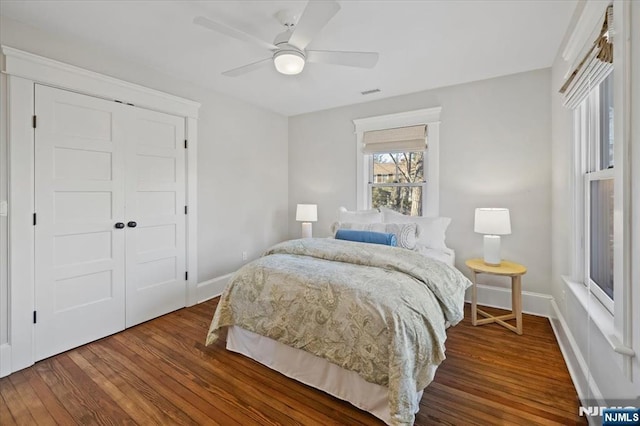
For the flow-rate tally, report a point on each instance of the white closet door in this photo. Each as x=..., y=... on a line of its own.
x=155, y=201
x=79, y=198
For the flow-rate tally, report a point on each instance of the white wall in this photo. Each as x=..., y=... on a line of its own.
x=4, y=307
x=242, y=156
x=596, y=368
x=242, y=183
x=494, y=152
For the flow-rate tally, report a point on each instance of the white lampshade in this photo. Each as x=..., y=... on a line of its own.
x=307, y=213
x=492, y=221
x=289, y=62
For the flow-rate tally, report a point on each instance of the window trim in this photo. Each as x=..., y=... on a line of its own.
x=428, y=116
x=623, y=308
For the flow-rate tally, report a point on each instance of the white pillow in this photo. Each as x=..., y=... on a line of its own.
x=431, y=230
x=406, y=233
x=359, y=216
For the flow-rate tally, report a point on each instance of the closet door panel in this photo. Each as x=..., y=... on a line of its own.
x=79, y=254
x=155, y=200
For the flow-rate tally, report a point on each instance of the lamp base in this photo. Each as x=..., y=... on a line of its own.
x=492, y=250
x=306, y=230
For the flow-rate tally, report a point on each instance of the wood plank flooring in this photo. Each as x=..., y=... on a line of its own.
x=160, y=372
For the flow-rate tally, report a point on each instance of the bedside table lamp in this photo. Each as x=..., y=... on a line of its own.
x=493, y=223
x=307, y=213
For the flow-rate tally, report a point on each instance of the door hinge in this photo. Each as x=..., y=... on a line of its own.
x=34, y=219
x=33, y=122
x=186, y=275
x=35, y=317
x=186, y=210
x=185, y=144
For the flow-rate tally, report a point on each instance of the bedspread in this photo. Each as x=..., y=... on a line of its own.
x=377, y=310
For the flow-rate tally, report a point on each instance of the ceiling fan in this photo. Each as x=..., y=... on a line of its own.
x=288, y=50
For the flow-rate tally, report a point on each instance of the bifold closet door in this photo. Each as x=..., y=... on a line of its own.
x=79, y=199
x=155, y=206
x=110, y=224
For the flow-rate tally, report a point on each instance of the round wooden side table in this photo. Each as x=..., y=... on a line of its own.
x=507, y=269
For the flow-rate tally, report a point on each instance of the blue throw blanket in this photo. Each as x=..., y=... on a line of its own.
x=366, y=237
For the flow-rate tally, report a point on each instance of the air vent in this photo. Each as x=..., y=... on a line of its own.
x=368, y=92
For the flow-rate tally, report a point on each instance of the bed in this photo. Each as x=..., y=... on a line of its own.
x=363, y=322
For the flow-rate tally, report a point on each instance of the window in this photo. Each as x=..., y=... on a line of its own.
x=595, y=116
x=602, y=185
x=397, y=181
x=397, y=162
x=589, y=91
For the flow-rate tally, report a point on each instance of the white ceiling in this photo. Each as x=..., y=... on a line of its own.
x=422, y=44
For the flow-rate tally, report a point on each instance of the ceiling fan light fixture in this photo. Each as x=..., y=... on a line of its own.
x=288, y=50
x=289, y=62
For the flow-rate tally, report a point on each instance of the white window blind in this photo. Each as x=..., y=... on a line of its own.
x=399, y=139
x=593, y=68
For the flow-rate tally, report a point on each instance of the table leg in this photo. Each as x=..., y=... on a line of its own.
x=474, y=300
x=516, y=301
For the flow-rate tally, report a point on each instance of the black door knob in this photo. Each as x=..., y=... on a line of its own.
x=119, y=225
x=132, y=224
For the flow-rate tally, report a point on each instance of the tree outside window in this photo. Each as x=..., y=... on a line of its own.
x=397, y=181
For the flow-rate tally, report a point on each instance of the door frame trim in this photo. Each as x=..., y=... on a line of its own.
x=22, y=70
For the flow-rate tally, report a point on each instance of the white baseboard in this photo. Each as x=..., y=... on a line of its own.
x=576, y=364
x=498, y=297
x=212, y=288
x=5, y=359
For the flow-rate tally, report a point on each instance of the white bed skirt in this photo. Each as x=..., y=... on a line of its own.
x=314, y=371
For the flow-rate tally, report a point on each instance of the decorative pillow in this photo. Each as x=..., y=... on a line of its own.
x=406, y=233
x=366, y=237
x=431, y=230
x=359, y=216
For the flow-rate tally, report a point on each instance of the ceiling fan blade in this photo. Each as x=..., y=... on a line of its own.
x=350, y=59
x=313, y=19
x=247, y=68
x=231, y=32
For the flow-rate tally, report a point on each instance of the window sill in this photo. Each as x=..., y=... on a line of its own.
x=600, y=316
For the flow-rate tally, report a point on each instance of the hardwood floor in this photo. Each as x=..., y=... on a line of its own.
x=160, y=372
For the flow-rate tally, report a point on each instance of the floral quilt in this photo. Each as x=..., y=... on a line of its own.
x=377, y=310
